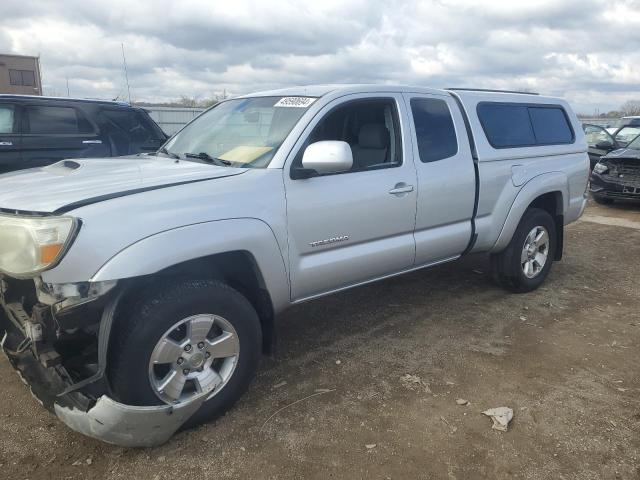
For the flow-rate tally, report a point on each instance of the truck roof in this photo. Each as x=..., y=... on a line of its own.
x=346, y=88
x=61, y=99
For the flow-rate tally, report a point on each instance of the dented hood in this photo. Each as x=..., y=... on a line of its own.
x=71, y=183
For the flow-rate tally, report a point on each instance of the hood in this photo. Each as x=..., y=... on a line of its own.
x=623, y=153
x=71, y=183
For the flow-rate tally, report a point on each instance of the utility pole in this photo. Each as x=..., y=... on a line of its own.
x=126, y=75
x=68, y=94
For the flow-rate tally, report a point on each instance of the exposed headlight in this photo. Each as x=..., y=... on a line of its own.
x=600, y=168
x=29, y=245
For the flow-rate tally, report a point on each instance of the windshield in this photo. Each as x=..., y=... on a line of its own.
x=635, y=144
x=245, y=132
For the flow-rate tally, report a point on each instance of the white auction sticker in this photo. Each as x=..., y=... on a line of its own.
x=296, y=102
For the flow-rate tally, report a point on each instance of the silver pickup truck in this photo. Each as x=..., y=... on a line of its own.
x=139, y=293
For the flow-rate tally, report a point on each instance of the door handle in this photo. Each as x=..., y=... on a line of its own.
x=6, y=144
x=90, y=142
x=401, y=188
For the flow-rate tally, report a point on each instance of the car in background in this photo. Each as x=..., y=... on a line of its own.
x=617, y=175
x=625, y=129
x=38, y=131
x=599, y=142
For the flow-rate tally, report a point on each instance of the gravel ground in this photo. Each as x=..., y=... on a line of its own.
x=385, y=365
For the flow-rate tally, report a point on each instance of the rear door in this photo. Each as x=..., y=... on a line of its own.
x=446, y=177
x=10, y=141
x=54, y=132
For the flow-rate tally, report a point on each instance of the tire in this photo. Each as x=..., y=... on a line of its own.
x=508, y=269
x=602, y=200
x=139, y=332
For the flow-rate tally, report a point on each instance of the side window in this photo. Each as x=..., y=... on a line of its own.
x=6, y=119
x=510, y=125
x=506, y=125
x=550, y=125
x=56, y=120
x=370, y=127
x=132, y=123
x=596, y=135
x=25, y=78
x=435, y=132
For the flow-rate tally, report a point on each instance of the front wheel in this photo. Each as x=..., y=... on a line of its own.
x=527, y=260
x=185, y=340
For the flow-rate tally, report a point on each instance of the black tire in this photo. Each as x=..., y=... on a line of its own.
x=602, y=200
x=159, y=307
x=506, y=266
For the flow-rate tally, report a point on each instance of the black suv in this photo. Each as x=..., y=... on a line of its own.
x=37, y=131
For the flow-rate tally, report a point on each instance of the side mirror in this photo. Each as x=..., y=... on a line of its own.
x=328, y=156
x=604, y=145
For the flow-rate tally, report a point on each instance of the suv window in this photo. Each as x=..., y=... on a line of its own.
x=56, y=120
x=6, y=118
x=626, y=134
x=370, y=127
x=435, y=132
x=133, y=123
x=509, y=125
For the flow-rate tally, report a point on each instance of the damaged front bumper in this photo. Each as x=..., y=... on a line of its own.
x=609, y=186
x=81, y=401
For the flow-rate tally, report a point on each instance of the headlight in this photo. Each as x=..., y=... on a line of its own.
x=600, y=168
x=29, y=245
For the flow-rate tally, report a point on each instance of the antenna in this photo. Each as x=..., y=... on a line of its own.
x=126, y=75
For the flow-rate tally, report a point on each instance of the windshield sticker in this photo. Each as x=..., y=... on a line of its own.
x=296, y=102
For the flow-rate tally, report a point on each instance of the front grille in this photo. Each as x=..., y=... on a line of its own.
x=628, y=172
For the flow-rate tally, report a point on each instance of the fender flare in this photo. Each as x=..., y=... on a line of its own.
x=172, y=247
x=546, y=183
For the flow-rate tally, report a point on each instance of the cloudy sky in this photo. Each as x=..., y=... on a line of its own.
x=585, y=50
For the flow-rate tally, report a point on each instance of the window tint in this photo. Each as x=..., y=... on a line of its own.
x=550, y=125
x=519, y=125
x=371, y=129
x=435, y=132
x=6, y=118
x=56, y=120
x=133, y=123
x=26, y=78
x=506, y=125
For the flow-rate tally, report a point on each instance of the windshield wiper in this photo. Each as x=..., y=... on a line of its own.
x=170, y=154
x=208, y=158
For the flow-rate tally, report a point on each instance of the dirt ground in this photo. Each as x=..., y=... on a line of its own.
x=386, y=364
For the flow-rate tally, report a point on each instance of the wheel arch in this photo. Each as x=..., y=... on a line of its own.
x=241, y=252
x=547, y=192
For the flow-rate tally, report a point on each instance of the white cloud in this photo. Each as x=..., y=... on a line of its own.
x=585, y=50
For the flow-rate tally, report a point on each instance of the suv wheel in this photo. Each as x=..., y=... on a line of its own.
x=186, y=340
x=527, y=260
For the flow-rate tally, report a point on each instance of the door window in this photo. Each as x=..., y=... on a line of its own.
x=6, y=119
x=435, y=132
x=370, y=127
x=596, y=135
x=56, y=120
x=133, y=124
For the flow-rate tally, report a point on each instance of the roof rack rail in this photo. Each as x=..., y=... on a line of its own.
x=492, y=91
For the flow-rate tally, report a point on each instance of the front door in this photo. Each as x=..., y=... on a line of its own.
x=10, y=155
x=351, y=227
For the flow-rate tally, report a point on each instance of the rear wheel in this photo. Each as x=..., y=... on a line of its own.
x=527, y=260
x=183, y=341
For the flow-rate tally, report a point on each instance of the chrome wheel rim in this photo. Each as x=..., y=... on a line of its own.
x=196, y=357
x=535, y=252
